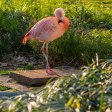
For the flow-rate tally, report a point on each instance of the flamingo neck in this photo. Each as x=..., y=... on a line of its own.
x=66, y=23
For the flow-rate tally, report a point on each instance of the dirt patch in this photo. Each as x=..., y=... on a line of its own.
x=12, y=62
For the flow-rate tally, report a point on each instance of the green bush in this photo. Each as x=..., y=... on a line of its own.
x=13, y=28
x=89, y=32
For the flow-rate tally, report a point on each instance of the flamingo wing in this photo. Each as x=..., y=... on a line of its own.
x=46, y=30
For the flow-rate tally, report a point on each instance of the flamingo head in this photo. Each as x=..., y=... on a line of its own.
x=59, y=13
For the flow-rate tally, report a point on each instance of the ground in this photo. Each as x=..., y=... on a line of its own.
x=12, y=62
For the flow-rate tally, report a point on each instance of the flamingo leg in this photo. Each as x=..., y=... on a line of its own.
x=48, y=69
x=47, y=63
x=43, y=48
x=45, y=53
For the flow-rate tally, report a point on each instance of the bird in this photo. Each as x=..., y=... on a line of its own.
x=47, y=30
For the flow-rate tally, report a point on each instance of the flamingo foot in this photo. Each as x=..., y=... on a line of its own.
x=50, y=72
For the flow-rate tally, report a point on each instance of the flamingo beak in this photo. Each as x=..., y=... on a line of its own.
x=60, y=18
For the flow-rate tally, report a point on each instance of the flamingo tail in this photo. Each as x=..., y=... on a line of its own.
x=25, y=38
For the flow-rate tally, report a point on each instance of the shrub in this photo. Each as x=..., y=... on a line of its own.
x=90, y=30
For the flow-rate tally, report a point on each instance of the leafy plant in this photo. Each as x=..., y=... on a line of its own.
x=89, y=91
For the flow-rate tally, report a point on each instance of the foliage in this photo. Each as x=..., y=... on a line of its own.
x=90, y=30
x=13, y=26
x=5, y=72
x=89, y=91
x=3, y=88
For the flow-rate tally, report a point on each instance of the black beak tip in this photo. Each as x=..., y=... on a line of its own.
x=60, y=21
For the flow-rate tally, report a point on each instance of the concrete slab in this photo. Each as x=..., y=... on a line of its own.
x=5, y=80
x=38, y=77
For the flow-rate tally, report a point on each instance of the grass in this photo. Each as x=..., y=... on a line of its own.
x=89, y=33
x=27, y=67
x=8, y=71
x=3, y=88
x=5, y=72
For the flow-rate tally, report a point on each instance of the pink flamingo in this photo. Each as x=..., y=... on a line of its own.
x=47, y=30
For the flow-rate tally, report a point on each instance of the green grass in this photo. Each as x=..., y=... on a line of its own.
x=5, y=72
x=90, y=31
x=3, y=88
x=27, y=67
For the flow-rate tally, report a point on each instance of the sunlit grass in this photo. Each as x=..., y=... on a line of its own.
x=5, y=72
x=90, y=29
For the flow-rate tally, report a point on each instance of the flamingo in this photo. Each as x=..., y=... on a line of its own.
x=47, y=30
